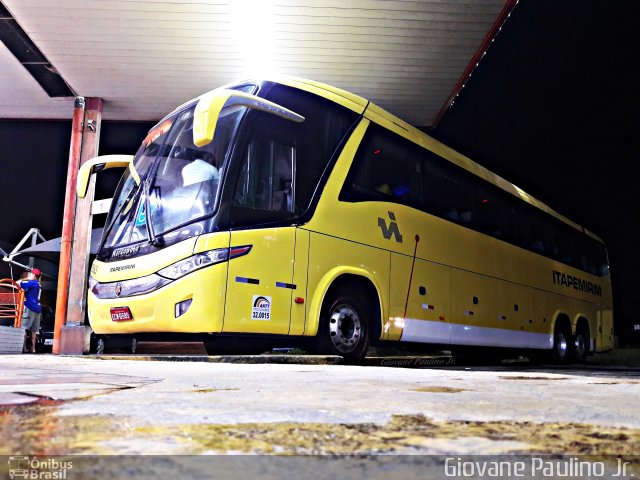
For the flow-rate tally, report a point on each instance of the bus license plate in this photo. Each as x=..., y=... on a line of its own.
x=121, y=314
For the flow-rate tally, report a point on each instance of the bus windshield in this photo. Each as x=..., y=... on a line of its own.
x=180, y=182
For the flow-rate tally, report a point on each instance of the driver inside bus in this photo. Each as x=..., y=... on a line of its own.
x=197, y=171
x=199, y=181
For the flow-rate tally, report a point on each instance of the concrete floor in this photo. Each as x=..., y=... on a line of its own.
x=192, y=404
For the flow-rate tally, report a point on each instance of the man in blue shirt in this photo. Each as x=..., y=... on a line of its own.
x=32, y=308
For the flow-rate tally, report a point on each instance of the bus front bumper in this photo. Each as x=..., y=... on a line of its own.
x=191, y=304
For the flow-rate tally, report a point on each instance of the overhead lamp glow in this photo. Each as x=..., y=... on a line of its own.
x=253, y=30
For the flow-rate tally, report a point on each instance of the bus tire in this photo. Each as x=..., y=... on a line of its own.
x=580, y=345
x=344, y=324
x=561, y=352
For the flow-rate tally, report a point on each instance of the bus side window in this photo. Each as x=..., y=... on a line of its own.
x=266, y=176
x=446, y=190
x=494, y=213
x=284, y=157
x=386, y=168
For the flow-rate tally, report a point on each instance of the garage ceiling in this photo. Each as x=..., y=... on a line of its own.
x=145, y=57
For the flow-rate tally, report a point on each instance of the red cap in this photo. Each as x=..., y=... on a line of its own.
x=36, y=272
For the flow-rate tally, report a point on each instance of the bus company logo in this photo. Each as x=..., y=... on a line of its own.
x=36, y=469
x=124, y=252
x=261, y=308
x=392, y=230
x=576, y=283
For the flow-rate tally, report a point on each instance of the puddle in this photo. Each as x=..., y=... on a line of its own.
x=401, y=435
x=209, y=390
x=37, y=429
x=630, y=382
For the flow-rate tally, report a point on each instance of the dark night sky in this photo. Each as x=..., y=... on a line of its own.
x=552, y=108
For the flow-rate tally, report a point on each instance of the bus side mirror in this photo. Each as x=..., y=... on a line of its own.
x=103, y=162
x=211, y=104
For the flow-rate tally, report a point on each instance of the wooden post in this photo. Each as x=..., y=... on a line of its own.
x=77, y=303
x=77, y=225
x=67, y=222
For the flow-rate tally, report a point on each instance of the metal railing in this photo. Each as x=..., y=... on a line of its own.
x=11, y=301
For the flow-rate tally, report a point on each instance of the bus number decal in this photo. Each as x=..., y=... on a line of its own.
x=261, y=308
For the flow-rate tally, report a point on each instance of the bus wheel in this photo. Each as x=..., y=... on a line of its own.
x=561, y=344
x=344, y=325
x=580, y=346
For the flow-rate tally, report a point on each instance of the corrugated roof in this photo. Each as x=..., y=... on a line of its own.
x=145, y=57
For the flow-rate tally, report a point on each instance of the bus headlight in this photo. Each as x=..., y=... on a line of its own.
x=129, y=288
x=195, y=262
x=149, y=283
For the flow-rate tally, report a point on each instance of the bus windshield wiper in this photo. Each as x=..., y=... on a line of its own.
x=116, y=215
x=147, y=212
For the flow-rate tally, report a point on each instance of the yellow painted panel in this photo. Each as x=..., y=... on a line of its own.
x=489, y=293
x=483, y=301
x=453, y=245
x=604, y=331
x=255, y=303
x=299, y=310
x=212, y=241
x=330, y=257
x=429, y=297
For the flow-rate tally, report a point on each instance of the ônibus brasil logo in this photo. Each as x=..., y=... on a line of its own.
x=33, y=468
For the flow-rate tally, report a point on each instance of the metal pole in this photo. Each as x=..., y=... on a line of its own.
x=34, y=240
x=67, y=222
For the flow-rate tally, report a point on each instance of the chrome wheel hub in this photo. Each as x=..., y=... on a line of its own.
x=580, y=345
x=562, y=346
x=345, y=328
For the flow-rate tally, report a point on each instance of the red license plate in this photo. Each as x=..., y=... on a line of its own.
x=121, y=314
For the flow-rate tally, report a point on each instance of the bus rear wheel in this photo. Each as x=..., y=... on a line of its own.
x=580, y=346
x=561, y=344
x=344, y=325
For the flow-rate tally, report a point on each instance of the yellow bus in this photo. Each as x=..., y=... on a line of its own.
x=287, y=208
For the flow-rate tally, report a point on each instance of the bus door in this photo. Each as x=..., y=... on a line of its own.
x=260, y=283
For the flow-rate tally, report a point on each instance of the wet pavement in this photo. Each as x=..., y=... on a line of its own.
x=166, y=404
